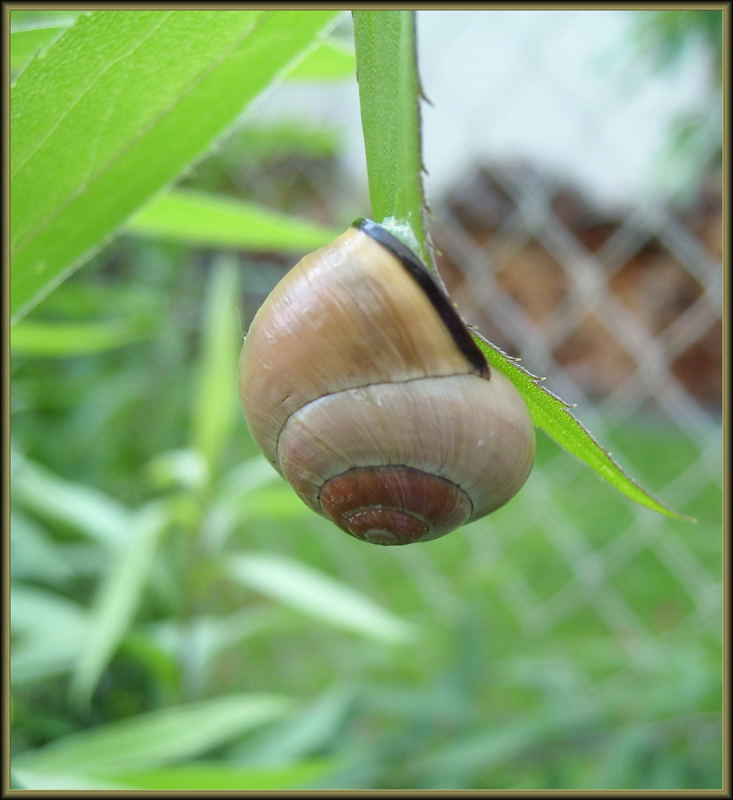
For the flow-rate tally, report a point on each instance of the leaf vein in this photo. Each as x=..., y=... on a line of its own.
x=144, y=131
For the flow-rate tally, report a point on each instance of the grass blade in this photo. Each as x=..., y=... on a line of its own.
x=319, y=595
x=213, y=412
x=118, y=599
x=50, y=630
x=100, y=517
x=43, y=781
x=218, y=777
x=59, y=339
x=202, y=219
x=158, y=737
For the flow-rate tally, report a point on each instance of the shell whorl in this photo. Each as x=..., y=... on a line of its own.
x=362, y=386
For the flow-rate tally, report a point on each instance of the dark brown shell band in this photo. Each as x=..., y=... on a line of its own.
x=394, y=504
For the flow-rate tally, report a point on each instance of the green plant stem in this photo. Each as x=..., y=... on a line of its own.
x=389, y=94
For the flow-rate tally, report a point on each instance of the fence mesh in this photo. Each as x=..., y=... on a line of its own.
x=619, y=304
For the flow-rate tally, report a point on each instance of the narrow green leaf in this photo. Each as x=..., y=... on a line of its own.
x=202, y=219
x=37, y=612
x=215, y=406
x=553, y=416
x=117, y=599
x=306, y=731
x=33, y=553
x=121, y=103
x=319, y=595
x=389, y=93
x=180, y=468
x=100, y=517
x=41, y=338
x=210, y=635
x=43, y=781
x=25, y=44
x=50, y=630
x=155, y=738
x=217, y=777
x=330, y=61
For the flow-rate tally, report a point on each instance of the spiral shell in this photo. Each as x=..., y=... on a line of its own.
x=364, y=389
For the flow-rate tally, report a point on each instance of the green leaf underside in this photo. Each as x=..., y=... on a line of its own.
x=552, y=415
x=389, y=93
x=203, y=219
x=112, y=113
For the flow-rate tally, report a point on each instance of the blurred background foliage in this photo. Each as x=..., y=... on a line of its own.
x=180, y=620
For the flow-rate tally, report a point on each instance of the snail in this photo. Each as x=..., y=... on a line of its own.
x=362, y=386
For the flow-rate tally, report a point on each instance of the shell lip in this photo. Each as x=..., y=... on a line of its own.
x=439, y=300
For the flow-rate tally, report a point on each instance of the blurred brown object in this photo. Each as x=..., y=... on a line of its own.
x=665, y=299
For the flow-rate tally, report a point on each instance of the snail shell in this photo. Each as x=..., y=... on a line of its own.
x=364, y=389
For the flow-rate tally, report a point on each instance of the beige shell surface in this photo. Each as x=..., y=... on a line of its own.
x=348, y=315
x=474, y=432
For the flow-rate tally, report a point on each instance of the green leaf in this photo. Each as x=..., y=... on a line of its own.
x=330, y=61
x=117, y=599
x=38, y=612
x=41, y=338
x=389, y=93
x=209, y=635
x=306, y=731
x=319, y=595
x=213, y=412
x=202, y=219
x=155, y=738
x=91, y=512
x=24, y=20
x=552, y=415
x=25, y=44
x=33, y=553
x=217, y=777
x=177, y=468
x=121, y=103
x=37, y=781
x=50, y=630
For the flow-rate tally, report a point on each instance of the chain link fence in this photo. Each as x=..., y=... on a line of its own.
x=612, y=289
x=619, y=304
